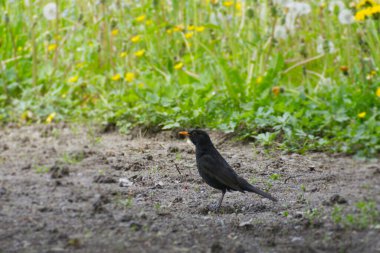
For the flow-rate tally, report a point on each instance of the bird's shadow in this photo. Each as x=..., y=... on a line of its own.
x=235, y=208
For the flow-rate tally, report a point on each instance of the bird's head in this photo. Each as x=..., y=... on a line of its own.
x=197, y=137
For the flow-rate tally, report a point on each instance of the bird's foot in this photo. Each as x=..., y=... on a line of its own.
x=213, y=207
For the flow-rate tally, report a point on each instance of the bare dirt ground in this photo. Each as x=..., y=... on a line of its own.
x=73, y=189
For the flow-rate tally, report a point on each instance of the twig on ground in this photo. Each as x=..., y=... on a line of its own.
x=290, y=177
x=176, y=166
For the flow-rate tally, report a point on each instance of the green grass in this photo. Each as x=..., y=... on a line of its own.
x=235, y=77
x=41, y=169
x=72, y=158
x=365, y=215
x=126, y=203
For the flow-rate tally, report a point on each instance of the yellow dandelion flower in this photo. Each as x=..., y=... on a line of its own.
x=362, y=115
x=228, y=3
x=52, y=47
x=371, y=75
x=116, y=77
x=189, y=35
x=136, y=38
x=169, y=31
x=178, y=66
x=148, y=22
x=140, y=53
x=360, y=16
x=367, y=13
x=178, y=28
x=73, y=79
x=259, y=80
x=115, y=32
x=214, y=1
x=378, y=92
x=140, y=18
x=238, y=6
x=141, y=85
x=27, y=115
x=200, y=28
x=366, y=3
x=50, y=117
x=191, y=27
x=130, y=76
x=376, y=9
x=123, y=54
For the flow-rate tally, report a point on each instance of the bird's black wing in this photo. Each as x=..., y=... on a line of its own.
x=219, y=169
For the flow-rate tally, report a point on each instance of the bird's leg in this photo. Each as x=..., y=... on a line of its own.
x=216, y=207
x=221, y=200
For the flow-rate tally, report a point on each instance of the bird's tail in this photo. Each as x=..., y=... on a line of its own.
x=248, y=187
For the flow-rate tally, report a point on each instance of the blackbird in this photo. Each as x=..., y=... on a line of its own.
x=215, y=171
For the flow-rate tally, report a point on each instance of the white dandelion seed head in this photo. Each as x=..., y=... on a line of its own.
x=304, y=8
x=280, y=32
x=345, y=17
x=324, y=46
x=298, y=8
x=50, y=11
x=113, y=7
x=320, y=49
x=263, y=12
x=281, y=2
x=295, y=9
x=290, y=20
x=325, y=81
x=65, y=13
x=213, y=19
x=331, y=47
x=320, y=45
x=336, y=4
x=219, y=17
x=168, y=3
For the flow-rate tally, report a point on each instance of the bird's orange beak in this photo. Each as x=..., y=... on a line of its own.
x=185, y=133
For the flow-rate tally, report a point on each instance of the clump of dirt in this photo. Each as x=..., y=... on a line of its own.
x=57, y=171
x=102, y=179
x=66, y=187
